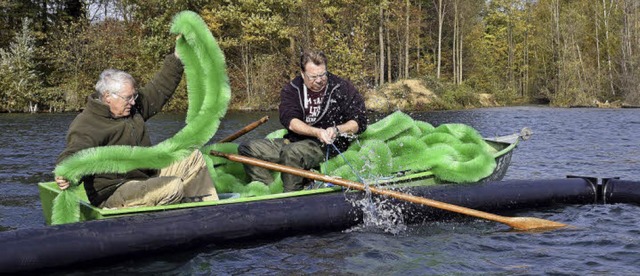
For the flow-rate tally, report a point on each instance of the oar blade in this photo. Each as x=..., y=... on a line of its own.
x=534, y=224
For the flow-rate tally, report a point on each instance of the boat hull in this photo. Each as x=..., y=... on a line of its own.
x=109, y=233
x=48, y=191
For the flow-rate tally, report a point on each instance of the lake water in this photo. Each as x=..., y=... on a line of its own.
x=587, y=142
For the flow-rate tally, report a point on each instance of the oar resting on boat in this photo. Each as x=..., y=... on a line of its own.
x=519, y=223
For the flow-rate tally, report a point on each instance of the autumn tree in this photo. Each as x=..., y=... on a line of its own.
x=256, y=39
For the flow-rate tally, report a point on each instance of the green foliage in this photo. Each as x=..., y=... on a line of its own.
x=85, y=50
x=459, y=95
x=343, y=29
x=497, y=57
x=434, y=84
x=256, y=37
x=20, y=85
x=568, y=52
x=450, y=96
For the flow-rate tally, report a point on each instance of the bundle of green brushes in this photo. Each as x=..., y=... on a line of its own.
x=454, y=153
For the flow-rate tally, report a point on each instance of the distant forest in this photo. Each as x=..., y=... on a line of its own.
x=561, y=52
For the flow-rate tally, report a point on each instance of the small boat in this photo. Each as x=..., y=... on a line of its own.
x=503, y=146
x=120, y=232
x=112, y=234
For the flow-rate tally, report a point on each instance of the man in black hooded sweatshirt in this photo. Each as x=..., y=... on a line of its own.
x=318, y=109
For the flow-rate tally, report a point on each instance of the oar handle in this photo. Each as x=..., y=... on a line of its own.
x=517, y=223
x=244, y=130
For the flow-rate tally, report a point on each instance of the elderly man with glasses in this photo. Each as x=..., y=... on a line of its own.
x=115, y=115
x=318, y=109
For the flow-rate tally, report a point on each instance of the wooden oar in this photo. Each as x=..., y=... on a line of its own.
x=519, y=223
x=244, y=130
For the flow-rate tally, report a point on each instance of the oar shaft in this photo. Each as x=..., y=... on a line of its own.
x=359, y=186
x=244, y=130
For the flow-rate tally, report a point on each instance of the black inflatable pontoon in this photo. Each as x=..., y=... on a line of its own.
x=63, y=245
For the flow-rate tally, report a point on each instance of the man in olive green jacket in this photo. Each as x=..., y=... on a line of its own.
x=116, y=115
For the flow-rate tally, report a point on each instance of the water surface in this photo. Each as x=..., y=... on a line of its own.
x=589, y=142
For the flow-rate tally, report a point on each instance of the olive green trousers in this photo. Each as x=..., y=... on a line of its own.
x=305, y=154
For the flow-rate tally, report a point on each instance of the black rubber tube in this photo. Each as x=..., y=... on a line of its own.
x=62, y=245
x=621, y=191
x=506, y=195
x=54, y=246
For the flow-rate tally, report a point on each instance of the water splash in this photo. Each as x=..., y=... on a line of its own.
x=379, y=212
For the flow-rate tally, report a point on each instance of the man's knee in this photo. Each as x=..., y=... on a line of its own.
x=245, y=148
x=295, y=149
x=260, y=148
x=291, y=156
x=301, y=156
x=252, y=148
x=171, y=192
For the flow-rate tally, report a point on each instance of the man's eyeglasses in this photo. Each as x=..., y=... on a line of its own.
x=313, y=78
x=133, y=97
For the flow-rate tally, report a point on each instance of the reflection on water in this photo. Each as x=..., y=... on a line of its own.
x=590, y=142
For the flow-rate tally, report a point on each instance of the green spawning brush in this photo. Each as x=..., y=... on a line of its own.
x=453, y=152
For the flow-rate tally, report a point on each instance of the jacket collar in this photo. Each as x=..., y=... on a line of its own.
x=332, y=85
x=98, y=108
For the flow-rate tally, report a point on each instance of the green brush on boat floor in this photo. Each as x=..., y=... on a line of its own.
x=453, y=152
x=519, y=223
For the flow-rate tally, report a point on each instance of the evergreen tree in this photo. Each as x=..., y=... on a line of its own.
x=19, y=82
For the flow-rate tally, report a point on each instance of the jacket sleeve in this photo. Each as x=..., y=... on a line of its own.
x=356, y=108
x=155, y=94
x=289, y=106
x=78, y=138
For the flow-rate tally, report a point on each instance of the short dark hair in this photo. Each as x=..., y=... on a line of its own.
x=317, y=57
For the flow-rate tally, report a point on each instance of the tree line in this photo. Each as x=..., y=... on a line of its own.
x=561, y=52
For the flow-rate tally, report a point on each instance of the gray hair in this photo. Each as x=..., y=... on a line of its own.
x=112, y=81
